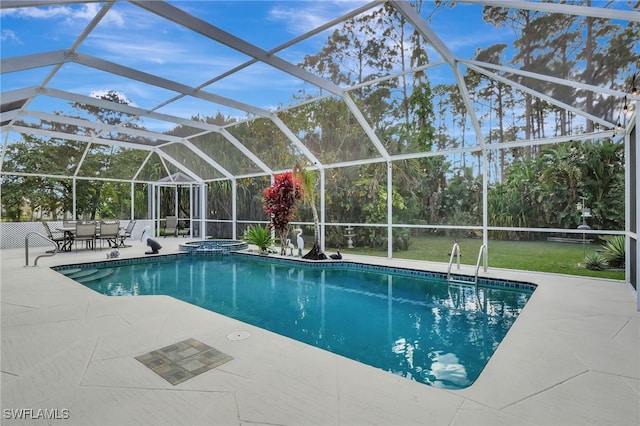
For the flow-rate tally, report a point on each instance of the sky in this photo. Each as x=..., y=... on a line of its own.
x=138, y=39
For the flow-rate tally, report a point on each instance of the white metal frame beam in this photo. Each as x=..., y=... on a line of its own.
x=101, y=128
x=365, y=126
x=410, y=14
x=127, y=109
x=79, y=138
x=212, y=32
x=294, y=139
x=405, y=8
x=543, y=77
x=180, y=17
x=207, y=159
x=58, y=57
x=12, y=4
x=108, y=142
x=542, y=96
x=166, y=157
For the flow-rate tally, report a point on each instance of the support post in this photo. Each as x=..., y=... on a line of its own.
x=234, y=207
x=132, y=213
x=389, y=210
x=322, y=207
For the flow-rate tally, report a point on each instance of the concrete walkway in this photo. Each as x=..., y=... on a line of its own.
x=571, y=358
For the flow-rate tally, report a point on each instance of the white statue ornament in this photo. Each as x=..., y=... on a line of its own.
x=300, y=242
x=290, y=246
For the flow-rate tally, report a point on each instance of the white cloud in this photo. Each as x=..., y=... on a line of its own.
x=70, y=15
x=54, y=12
x=8, y=35
x=305, y=16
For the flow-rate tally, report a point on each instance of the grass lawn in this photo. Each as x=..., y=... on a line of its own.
x=542, y=256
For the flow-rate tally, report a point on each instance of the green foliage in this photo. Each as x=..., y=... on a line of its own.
x=401, y=239
x=595, y=262
x=259, y=236
x=50, y=156
x=542, y=191
x=613, y=251
x=13, y=198
x=462, y=200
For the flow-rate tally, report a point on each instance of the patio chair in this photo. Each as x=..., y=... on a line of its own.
x=170, y=226
x=126, y=233
x=86, y=232
x=182, y=230
x=59, y=239
x=109, y=231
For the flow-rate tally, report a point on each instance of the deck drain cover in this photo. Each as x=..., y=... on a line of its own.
x=238, y=335
x=183, y=360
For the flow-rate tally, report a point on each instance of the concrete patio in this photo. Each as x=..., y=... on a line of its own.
x=571, y=358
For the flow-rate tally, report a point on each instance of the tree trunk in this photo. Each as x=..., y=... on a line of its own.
x=316, y=223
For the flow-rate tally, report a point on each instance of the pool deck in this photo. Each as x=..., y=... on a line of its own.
x=571, y=358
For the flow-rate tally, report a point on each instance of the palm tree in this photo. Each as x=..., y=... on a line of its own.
x=307, y=180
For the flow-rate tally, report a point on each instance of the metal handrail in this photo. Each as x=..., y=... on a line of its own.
x=482, y=254
x=454, y=250
x=26, y=248
x=483, y=250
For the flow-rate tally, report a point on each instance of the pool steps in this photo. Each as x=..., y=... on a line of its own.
x=96, y=276
x=87, y=275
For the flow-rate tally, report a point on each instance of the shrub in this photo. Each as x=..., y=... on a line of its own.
x=259, y=236
x=280, y=202
x=595, y=262
x=614, y=251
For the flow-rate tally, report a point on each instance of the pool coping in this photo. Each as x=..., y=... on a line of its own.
x=570, y=358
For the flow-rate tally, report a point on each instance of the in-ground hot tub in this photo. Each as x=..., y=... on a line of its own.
x=216, y=246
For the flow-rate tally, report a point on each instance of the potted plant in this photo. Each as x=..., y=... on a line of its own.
x=259, y=236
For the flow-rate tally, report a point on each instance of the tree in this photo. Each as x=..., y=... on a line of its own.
x=307, y=180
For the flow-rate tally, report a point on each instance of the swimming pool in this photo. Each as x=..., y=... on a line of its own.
x=410, y=323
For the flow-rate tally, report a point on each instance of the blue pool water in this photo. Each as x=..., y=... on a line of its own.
x=412, y=325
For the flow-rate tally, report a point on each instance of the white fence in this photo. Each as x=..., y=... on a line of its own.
x=12, y=234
